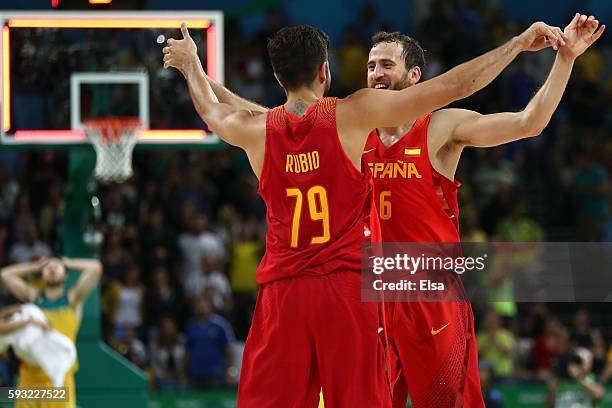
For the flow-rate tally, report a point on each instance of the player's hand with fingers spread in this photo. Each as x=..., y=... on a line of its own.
x=581, y=32
x=180, y=54
x=540, y=35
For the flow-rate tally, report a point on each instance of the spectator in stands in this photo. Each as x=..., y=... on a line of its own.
x=115, y=215
x=591, y=186
x=353, y=61
x=496, y=345
x=470, y=230
x=246, y=254
x=194, y=246
x=158, y=240
x=216, y=285
x=23, y=221
x=492, y=397
x=126, y=343
x=574, y=384
x=517, y=227
x=584, y=335
x=9, y=190
x=547, y=346
x=208, y=347
x=115, y=259
x=168, y=357
x=163, y=299
x=124, y=301
x=52, y=213
x=607, y=372
x=29, y=248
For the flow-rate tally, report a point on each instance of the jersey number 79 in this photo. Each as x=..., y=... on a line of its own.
x=318, y=209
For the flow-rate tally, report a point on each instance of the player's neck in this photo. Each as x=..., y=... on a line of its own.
x=391, y=135
x=300, y=100
x=53, y=293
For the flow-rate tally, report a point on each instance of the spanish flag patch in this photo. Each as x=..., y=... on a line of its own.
x=415, y=151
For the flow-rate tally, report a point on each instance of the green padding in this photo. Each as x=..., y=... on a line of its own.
x=105, y=371
x=212, y=399
x=105, y=379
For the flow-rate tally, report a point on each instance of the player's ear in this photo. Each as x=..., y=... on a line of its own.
x=414, y=75
x=279, y=81
x=323, y=72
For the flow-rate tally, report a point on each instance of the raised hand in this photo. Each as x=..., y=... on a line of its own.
x=180, y=53
x=581, y=33
x=540, y=35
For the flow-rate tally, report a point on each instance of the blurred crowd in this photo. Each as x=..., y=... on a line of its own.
x=184, y=236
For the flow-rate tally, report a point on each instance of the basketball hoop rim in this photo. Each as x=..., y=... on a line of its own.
x=112, y=129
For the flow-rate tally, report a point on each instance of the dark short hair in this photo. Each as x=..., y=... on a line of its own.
x=413, y=54
x=296, y=53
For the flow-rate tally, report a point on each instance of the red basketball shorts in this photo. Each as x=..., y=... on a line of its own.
x=434, y=355
x=311, y=332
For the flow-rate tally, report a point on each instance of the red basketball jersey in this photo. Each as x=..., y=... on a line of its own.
x=318, y=202
x=415, y=203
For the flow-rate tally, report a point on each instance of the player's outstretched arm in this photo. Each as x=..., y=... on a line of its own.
x=13, y=278
x=470, y=128
x=372, y=108
x=235, y=126
x=90, y=270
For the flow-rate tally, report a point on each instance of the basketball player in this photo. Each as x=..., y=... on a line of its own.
x=62, y=308
x=424, y=335
x=309, y=324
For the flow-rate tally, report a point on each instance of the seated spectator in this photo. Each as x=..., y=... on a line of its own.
x=496, y=345
x=168, y=354
x=208, y=347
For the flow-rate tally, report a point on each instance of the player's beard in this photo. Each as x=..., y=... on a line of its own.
x=54, y=284
x=403, y=83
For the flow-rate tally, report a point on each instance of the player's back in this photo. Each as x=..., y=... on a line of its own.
x=318, y=203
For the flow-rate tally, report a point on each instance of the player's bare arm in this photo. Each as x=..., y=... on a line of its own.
x=452, y=129
x=374, y=108
x=90, y=272
x=238, y=127
x=13, y=277
x=7, y=326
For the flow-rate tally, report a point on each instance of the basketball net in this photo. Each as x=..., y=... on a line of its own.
x=113, y=140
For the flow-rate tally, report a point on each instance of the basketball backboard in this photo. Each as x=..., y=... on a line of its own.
x=60, y=68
